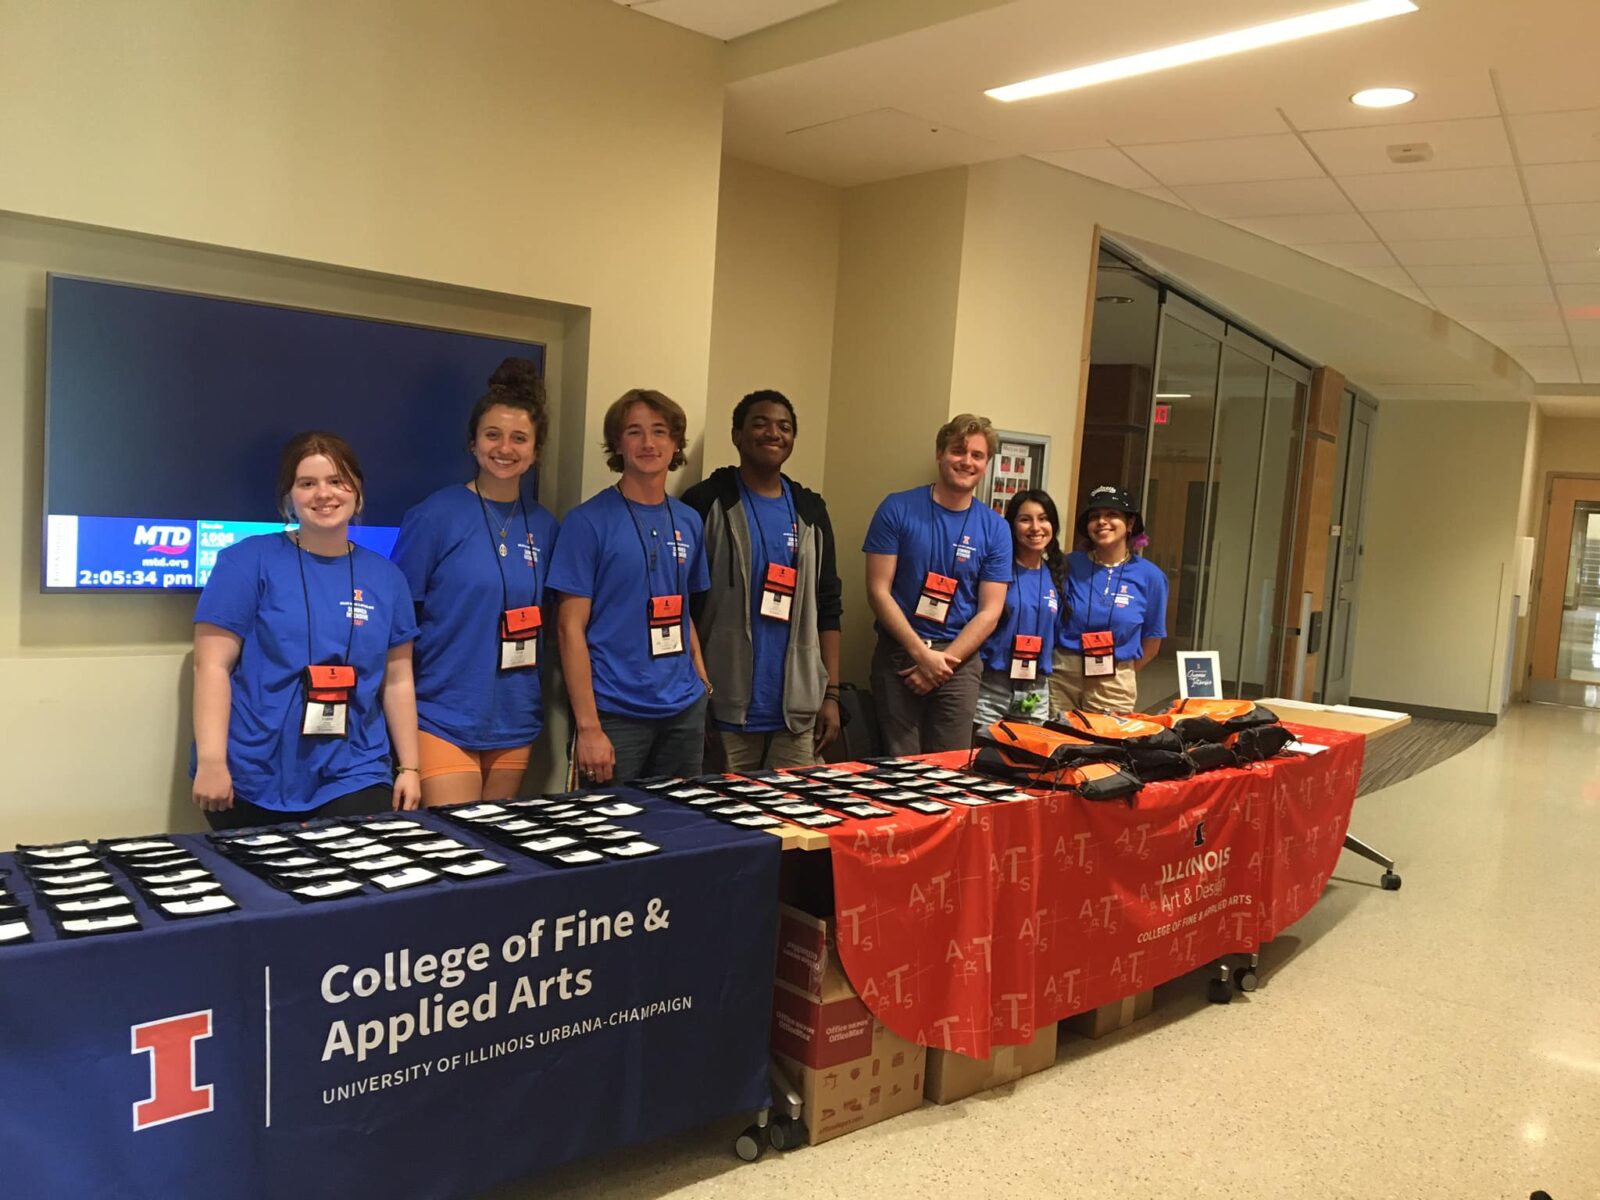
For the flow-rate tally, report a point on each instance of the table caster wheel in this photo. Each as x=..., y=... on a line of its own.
x=749, y=1144
x=1246, y=979
x=1390, y=881
x=786, y=1133
x=1219, y=991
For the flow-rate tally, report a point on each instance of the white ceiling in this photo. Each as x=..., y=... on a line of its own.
x=725, y=19
x=1500, y=230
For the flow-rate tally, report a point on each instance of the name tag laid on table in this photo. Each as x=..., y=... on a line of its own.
x=1025, y=653
x=328, y=689
x=1098, y=653
x=777, y=593
x=666, y=626
x=519, y=637
x=937, y=593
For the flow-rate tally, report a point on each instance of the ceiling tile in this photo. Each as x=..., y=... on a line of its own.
x=1588, y=362
x=1456, y=144
x=1299, y=231
x=1520, y=333
x=1105, y=163
x=1395, y=278
x=1466, y=251
x=1165, y=194
x=1581, y=272
x=1568, y=220
x=1509, y=221
x=881, y=144
x=1572, y=248
x=1547, y=364
x=1580, y=300
x=1562, y=183
x=1285, y=197
x=1584, y=333
x=724, y=20
x=1523, y=303
x=1558, y=137
x=1352, y=255
x=1227, y=160
x=1476, y=188
x=1480, y=275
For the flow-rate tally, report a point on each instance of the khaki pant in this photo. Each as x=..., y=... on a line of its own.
x=745, y=752
x=1070, y=689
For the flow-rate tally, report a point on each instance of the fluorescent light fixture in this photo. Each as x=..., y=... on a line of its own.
x=1383, y=97
x=1270, y=34
x=1173, y=395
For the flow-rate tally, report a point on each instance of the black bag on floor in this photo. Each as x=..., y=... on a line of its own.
x=859, y=738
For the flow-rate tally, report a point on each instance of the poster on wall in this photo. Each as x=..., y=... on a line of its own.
x=1018, y=466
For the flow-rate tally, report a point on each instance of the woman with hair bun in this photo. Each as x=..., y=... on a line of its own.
x=1116, y=609
x=476, y=556
x=302, y=661
x=1017, y=657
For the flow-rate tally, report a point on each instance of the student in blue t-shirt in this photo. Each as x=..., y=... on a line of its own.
x=629, y=561
x=770, y=623
x=1116, y=609
x=1017, y=655
x=476, y=557
x=938, y=564
x=267, y=747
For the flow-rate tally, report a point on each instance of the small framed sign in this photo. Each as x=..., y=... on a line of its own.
x=1199, y=675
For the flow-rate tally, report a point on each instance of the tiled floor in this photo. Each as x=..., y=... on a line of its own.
x=1440, y=1041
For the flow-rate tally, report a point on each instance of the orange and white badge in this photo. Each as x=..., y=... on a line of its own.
x=938, y=591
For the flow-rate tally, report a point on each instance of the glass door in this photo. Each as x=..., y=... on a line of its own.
x=1564, y=655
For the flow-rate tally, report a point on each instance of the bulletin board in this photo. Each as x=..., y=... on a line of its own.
x=1021, y=463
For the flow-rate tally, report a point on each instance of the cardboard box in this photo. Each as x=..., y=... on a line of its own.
x=953, y=1076
x=850, y=1071
x=1109, y=1018
x=1303, y=712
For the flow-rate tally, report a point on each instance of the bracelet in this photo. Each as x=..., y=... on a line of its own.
x=403, y=770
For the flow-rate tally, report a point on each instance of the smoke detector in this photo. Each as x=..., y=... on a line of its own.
x=1410, y=152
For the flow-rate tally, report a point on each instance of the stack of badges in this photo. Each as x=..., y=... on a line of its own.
x=72, y=885
x=13, y=916
x=170, y=877
x=573, y=830
x=752, y=802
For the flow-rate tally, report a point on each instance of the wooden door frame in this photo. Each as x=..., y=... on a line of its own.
x=1542, y=550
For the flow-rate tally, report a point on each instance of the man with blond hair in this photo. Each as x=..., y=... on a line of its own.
x=938, y=565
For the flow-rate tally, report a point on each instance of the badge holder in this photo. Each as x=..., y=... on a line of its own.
x=1025, y=653
x=328, y=688
x=519, y=638
x=1098, y=654
x=777, y=593
x=938, y=591
x=666, y=626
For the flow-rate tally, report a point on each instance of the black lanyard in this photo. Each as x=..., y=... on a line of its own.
x=755, y=520
x=494, y=547
x=305, y=594
x=649, y=554
x=938, y=530
x=1038, y=606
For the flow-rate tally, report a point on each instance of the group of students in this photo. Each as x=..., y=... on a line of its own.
x=331, y=681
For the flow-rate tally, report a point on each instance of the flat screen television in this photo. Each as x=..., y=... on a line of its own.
x=165, y=413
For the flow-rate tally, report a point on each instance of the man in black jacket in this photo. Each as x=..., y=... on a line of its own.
x=769, y=626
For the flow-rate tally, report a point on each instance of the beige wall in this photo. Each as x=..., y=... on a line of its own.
x=1567, y=446
x=893, y=342
x=1436, y=577
x=773, y=309
x=567, y=150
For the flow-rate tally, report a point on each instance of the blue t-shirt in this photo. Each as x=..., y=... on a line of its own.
x=1032, y=610
x=971, y=546
x=451, y=561
x=600, y=556
x=255, y=592
x=774, y=538
x=1130, y=600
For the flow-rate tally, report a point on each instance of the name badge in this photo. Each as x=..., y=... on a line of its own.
x=328, y=688
x=1025, y=653
x=666, y=626
x=777, y=593
x=937, y=593
x=519, y=637
x=1098, y=653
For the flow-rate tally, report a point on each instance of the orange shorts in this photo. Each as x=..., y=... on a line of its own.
x=439, y=757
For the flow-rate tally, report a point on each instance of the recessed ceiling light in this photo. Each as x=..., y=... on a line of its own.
x=1270, y=34
x=1383, y=97
x=1173, y=395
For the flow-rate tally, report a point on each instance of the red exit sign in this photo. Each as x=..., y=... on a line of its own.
x=1163, y=414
